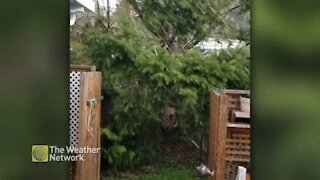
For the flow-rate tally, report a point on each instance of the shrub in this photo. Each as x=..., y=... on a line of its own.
x=140, y=78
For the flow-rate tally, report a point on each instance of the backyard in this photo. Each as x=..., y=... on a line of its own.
x=173, y=161
x=159, y=62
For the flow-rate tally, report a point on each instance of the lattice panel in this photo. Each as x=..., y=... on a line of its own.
x=74, y=107
x=231, y=169
x=238, y=146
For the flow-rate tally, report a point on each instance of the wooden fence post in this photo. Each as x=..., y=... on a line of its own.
x=89, y=126
x=217, y=136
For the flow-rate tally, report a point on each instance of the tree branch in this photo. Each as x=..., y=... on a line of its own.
x=193, y=43
x=233, y=8
x=135, y=7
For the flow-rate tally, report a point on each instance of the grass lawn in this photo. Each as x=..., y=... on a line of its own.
x=172, y=173
x=158, y=173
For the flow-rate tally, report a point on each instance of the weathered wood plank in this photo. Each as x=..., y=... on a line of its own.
x=222, y=134
x=240, y=114
x=238, y=125
x=238, y=146
x=238, y=141
x=89, y=126
x=82, y=132
x=82, y=68
x=241, y=136
x=237, y=159
x=214, y=116
x=232, y=152
x=235, y=91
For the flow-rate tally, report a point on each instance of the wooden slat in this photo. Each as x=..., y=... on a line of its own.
x=95, y=86
x=236, y=159
x=82, y=68
x=241, y=114
x=241, y=136
x=213, y=128
x=248, y=176
x=222, y=134
x=90, y=87
x=238, y=125
x=238, y=141
x=238, y=131
x=231, y=152
x=235, y=146
x=80, y=166
x=235, y=91
x=234, y=100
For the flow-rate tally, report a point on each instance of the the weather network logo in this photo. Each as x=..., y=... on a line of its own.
x=40, y=153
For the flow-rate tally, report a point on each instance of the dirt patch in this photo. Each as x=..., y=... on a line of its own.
x=181, y=151
x=133, y=173
x=170, y=154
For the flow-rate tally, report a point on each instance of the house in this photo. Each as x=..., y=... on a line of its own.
x=80, y=6
x=212, y=44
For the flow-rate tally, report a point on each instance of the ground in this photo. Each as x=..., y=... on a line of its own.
x=174, y=161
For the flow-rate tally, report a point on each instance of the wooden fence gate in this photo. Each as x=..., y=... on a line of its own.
x=85, y=110
x=229, y=140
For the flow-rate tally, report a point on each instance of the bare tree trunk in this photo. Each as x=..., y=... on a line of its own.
x=98, y=8
x=108, y=15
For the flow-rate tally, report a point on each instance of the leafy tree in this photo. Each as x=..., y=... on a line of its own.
x=236, y=22
x=140, y=77
x=180, y=25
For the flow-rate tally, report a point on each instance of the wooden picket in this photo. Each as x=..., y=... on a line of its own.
x=89, y=124
x=229, y=141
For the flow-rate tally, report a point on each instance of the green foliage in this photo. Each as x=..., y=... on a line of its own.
x=140, y=78
x=193, y=162
x=180, y=24
x=169, y=162
x=236, y=21
x=77, y=55
x=172, y=173
x=148, y=169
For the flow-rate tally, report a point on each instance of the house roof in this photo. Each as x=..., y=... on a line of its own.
x=82, y=5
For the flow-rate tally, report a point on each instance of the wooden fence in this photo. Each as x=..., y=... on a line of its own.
x=229, y=141
x=85, y=110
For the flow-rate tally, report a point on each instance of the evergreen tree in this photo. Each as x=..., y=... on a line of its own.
x=141, y=77
x=180, y=24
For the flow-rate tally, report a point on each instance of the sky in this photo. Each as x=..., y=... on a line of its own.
x=112, y=4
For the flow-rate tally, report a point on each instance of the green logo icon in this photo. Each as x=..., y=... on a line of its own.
x=40, y=153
